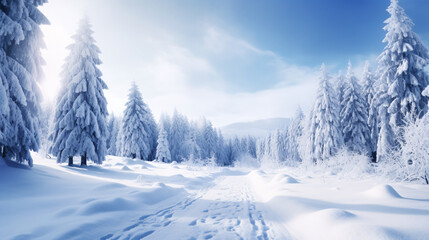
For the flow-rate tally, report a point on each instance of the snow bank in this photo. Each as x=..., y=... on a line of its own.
x=383, y=191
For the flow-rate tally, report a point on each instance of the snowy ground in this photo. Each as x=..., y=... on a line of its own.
x=127, y=199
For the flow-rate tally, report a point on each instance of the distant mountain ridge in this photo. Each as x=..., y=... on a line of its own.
x=258, y=128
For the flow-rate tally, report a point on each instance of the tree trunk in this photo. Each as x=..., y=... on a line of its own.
x=426, y=178
x=83, y=160
x=374, y=157
x=3, y=152
x=70, y=161
x=133, y=155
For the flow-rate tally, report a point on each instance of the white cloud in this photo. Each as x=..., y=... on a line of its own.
x=173, y=72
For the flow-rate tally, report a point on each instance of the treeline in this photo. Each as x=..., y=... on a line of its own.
x=178, y=139
x=382, y=116
x=379, y=116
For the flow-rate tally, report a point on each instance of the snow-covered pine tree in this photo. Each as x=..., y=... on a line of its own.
x=237, y=151
x=295, y=131
x=369, y=91
x=110, y=122
x=5, y=128
x=251, y=146
x=325, y=135
x=387, y=141
x=113, y=135
x=119, y=141
x=20, y=72
x=139, y=130
x=260, y=148
x=277, y=146
x=163, y=148
x=190, y=147
x=179, y=132
x=354, y=116
x=80, y=119
x=340, y=81
x=401, y=68
x=210, y=139
x=220, y=151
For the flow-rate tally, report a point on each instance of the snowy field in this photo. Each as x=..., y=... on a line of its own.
x=133, y=199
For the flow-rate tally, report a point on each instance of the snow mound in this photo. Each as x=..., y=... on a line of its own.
x=339, y=224
x=382, y=191
x=125, y=168
x=109, y=186
x=129, y=161
x=284, y=178
x=333, y=214
x=157, y=193
x=109, y=205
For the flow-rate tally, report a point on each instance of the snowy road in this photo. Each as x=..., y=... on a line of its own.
x=224, y=210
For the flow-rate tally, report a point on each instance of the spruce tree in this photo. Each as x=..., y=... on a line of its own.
x=139, y=130
x=325, y=134
x=401, y=67
x=295, y=131
x=369, y=92
x=114, y=126
x=20, y=72
x=80, y=119
x=179, y=134
x=163, y=148
x=340, y=81
x=402, y=80
x=354, y=116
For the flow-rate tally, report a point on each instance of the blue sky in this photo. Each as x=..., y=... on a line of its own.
x=228, y=60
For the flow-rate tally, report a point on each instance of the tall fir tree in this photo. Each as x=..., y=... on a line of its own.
x=139, y=130
x=354, y=116
x=369, y=91
x=402, y=80
x=114, y=126
x=295, y=131
x=340, y=81
x=80, y=119
x=179, y=134
x=163, y=148
x=325, y=134
x=20, y=73
x=401, y=67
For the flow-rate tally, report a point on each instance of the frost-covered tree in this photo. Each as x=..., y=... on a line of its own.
x=387, y=141
x=401, y=67
x=325, y=134
x=114, y=127
x=139, y=130
x=414, y=152
x=163, y=148
x=354, y=116
x=207, y=139
x=119, y=141
x=295, y=131
x=369, y=92
x=402, y=79
x=251, y=146
x=340, y=81
x=20, y=72
x=80, y=118
x=179, y=134
x=220, y=151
